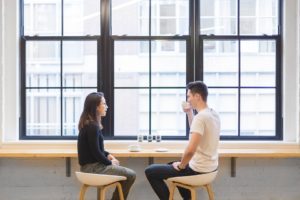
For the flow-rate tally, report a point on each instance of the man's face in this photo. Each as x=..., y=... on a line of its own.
x=191, y=98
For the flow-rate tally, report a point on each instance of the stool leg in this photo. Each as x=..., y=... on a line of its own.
x=120, y=191
x=82, y=191
x=210, y=192
x=102, y=193
x=193, y=193
x=171, y=191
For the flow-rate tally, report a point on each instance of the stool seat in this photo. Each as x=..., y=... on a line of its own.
x=101, y=181
x=98, y=179
x=193, y=182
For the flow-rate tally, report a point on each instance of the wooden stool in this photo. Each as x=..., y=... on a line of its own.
x=101, y=181
x=192, y=183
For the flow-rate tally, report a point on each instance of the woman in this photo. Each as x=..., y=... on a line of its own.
x=91, y=154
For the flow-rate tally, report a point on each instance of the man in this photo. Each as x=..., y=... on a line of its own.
x=200, y=155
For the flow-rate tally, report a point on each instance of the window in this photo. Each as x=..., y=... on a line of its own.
x=60, y=64
x=241, y=65
x=141, y=54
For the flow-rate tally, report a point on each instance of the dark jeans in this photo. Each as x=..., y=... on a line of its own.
x=157, y=173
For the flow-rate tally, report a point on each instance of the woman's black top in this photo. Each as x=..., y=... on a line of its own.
x=90, y=145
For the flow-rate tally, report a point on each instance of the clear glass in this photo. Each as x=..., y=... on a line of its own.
x=166, y=108
x=130, y=17
x=220, y=63
x=42, y=64
x=258, y=63
x=258, y=112
x=168, y=69
x=82, y=17
x=42, y=17
x=149, y=138
x=225, y=102
x=73, y=102
x=218, y=17
x=259, y=17
x=140, y=138
x=43, y=110
x=131, y=112
x=80, y=63
x=170, y=17
x=158, y=137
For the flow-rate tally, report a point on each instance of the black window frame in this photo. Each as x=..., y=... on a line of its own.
x=105, y=63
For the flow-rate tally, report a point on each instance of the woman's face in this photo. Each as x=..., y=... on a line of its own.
x=102, y=107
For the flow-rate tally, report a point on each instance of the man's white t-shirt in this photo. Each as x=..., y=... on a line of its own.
x=207, y=124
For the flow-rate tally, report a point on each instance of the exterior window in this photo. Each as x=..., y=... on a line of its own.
x=60, y=63
x=142, y=54
x=241, y=66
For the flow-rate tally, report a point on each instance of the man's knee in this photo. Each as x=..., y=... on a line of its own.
x=149, y=170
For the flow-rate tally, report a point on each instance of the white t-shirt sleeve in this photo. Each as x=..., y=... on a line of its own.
x=198, y=125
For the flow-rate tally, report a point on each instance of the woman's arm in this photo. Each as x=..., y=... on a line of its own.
x=93, y=140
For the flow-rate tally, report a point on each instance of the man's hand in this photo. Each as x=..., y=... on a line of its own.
x=176, y=165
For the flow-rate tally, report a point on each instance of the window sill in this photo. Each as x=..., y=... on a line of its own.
x=170, y=144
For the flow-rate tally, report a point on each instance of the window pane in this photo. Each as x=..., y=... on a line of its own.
x=225, y=102
x=259, y=17
x=81, y=17
x=131, y=64
x=42, y=64
x=218, y=17
x=258, y=63
x=80, y=63
x=258, y=112
x=42, y=17
x=131, y=109
x=166, y=108
x=170, y=17
x=168, y=69
x=130, y=17
x=73, y=102
x=220, y=63
x=43, y=112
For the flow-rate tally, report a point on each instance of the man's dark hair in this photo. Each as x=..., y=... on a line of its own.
x=198, y=87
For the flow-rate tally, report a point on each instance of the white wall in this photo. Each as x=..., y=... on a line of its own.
x=290, y=70
x=1, y=70
x=10, y=69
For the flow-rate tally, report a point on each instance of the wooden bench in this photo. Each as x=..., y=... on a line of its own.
x=150, y=153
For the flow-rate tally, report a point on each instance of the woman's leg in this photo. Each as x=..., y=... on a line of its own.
x=98, y=168
x=121, y=171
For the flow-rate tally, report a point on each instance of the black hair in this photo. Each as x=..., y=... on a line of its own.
x=198, y=87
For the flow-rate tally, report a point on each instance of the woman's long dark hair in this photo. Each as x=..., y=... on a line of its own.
x=89, y=113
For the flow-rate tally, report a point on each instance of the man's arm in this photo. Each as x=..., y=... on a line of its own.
x=188, y=152
x=190, y=115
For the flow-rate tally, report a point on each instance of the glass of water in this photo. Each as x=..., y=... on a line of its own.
x=149, y=138
x=140, y=138
x=158, y=137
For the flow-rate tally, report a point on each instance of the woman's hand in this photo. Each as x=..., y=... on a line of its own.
x=115, y=162
x=110, y=157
